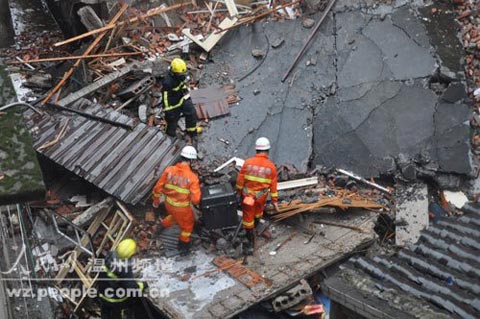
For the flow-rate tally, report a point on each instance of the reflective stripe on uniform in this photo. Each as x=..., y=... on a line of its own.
x=274, y=194
x=113, y=300
x=110, y=274
x=158, y=195
x=185, y=234
x=179, y=87
x=177, y=204
x=169, y=107
x=248, y=224
x=256, y=193
x=257, y=179
x=238, y=186
x=191, y=129
x=177, y=188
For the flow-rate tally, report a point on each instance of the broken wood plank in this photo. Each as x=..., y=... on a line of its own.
x=183, y=43
x=89, y=18
x=252, y=19
x=238, y=163
x=97, y=85
x=164, y=15
x=90, y=48
x=150, y=13
x=304, y=48
x=213, y=38
x=90, y=213
x=76, y=57
x=310, y=181
x=363, y=180
x=232, y=8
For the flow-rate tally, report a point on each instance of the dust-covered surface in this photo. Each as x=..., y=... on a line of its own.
x=20, y=175
x=192, y=287
x=411, y=212
x=368, y=88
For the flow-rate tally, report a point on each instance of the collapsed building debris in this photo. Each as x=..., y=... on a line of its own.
x=355, y=99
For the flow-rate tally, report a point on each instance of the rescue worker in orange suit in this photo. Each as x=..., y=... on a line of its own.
x=181, y=188
x=257, y=178
x=119, y=292
x=176, y=100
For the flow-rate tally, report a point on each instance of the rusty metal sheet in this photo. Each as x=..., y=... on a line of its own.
x=210, y=102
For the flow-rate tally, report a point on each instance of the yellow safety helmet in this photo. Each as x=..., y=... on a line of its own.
x=126, y=248
x=178, y=66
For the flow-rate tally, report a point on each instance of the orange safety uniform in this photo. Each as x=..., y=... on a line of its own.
x=257, y=178
x=181, y=187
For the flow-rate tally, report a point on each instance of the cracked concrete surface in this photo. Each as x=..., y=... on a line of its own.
x=364, y=100
x=280, y=111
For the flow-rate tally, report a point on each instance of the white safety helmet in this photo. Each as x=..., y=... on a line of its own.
x=189, y=152
x=262, y=144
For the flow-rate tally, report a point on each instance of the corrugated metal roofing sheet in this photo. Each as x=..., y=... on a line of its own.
x=441, y=269
x=124, y=163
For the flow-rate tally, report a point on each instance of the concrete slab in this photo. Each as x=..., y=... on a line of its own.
x=186, y=292
x=411, y=213
x=383, y=106
x=364, y=100
x=280, y=111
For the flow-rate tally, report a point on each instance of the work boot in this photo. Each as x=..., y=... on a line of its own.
x=248, y=248
x=184, y=247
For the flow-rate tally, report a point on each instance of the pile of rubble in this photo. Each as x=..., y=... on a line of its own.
x=469, y=19
x=119, y=68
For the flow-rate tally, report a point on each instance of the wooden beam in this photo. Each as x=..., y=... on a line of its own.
x=304, y=48
x=310, y=181
x=150, y=13
x=90, y=48
x=76, y=57
x=261, y=15
x=213, y=38
x=232, y=8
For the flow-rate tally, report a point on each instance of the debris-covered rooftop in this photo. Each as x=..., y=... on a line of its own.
x=368, y=107
x=436, y=277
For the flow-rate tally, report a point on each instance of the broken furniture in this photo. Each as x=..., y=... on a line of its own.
x=105, y=232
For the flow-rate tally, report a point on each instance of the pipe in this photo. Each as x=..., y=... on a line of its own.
x=3, y=108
